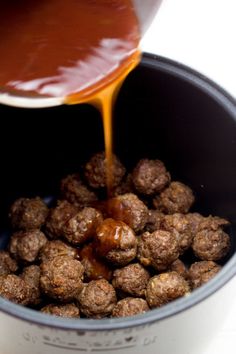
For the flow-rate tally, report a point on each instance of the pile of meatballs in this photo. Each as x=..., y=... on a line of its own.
x=122, y=256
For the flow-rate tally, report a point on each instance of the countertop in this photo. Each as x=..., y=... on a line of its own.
x=201, y=34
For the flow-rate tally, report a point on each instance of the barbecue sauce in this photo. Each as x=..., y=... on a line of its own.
x=77, y=50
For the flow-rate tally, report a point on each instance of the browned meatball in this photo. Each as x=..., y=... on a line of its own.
x=125, y=187
x=56, y=248
x=198, y=222
x=25, y=245
x=94, y=267
x=95, y=171
x=31, y=276
x=62, y=310
x=194, y=220
x=129, y=209
x=130, y=306
x=131, y=279
x=179, y=267
x=164, y=288
x=7, y=264
x=28, y=214
x=177, y=198
x=154, y=220
x=209, y=245
x=150, y=176
x=158, y=249
x=57, y=218
x=76, y=192
x=212, y=223
x=81, y=227
x=61, y=278
x=97, y=299
x=201, y=272
x=115, y=241
x=15, y=289
x=179, y=225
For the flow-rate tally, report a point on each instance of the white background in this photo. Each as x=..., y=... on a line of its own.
x=202, y=35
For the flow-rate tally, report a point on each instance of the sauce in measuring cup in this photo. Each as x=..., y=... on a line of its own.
x=79, y=50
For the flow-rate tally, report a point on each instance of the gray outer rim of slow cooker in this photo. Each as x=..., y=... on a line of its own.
x=177, y=306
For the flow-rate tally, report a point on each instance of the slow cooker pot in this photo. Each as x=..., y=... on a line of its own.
x=164, y=111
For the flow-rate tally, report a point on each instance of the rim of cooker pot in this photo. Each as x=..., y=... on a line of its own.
x=228, y=271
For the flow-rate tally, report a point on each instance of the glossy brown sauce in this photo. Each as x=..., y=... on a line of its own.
x=118, y=210
x=78, y=50
x=108, y=236
x=94, y=267
x=104, y=100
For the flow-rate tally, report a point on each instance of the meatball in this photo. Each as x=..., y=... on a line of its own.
x=201, y=272
x=7, y=264
x=130, y=306
x=154, y=220
x=95, y=171
x=56, y=248
x=179, y=267
x=28, y=214
x=179, y=225
x=209, y=245
x=31, y=276
x=81, y=227
x=97, y=299
x=212, y=223
x=76, y=192
x=25, y=245
x=150, y=176
x=158, y=249
x=94, y=267
x=164, y=288
x=116, y=242
x=15, y=289
x=57, y=217
x=125, y=187
x=194, y=220
x=61, y=278
x=198, y=222
x=177, y=198
x=131, y=279
x=129, y=209
x=62, y=310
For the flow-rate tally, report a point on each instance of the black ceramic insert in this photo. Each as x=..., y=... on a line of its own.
x=164, y=111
